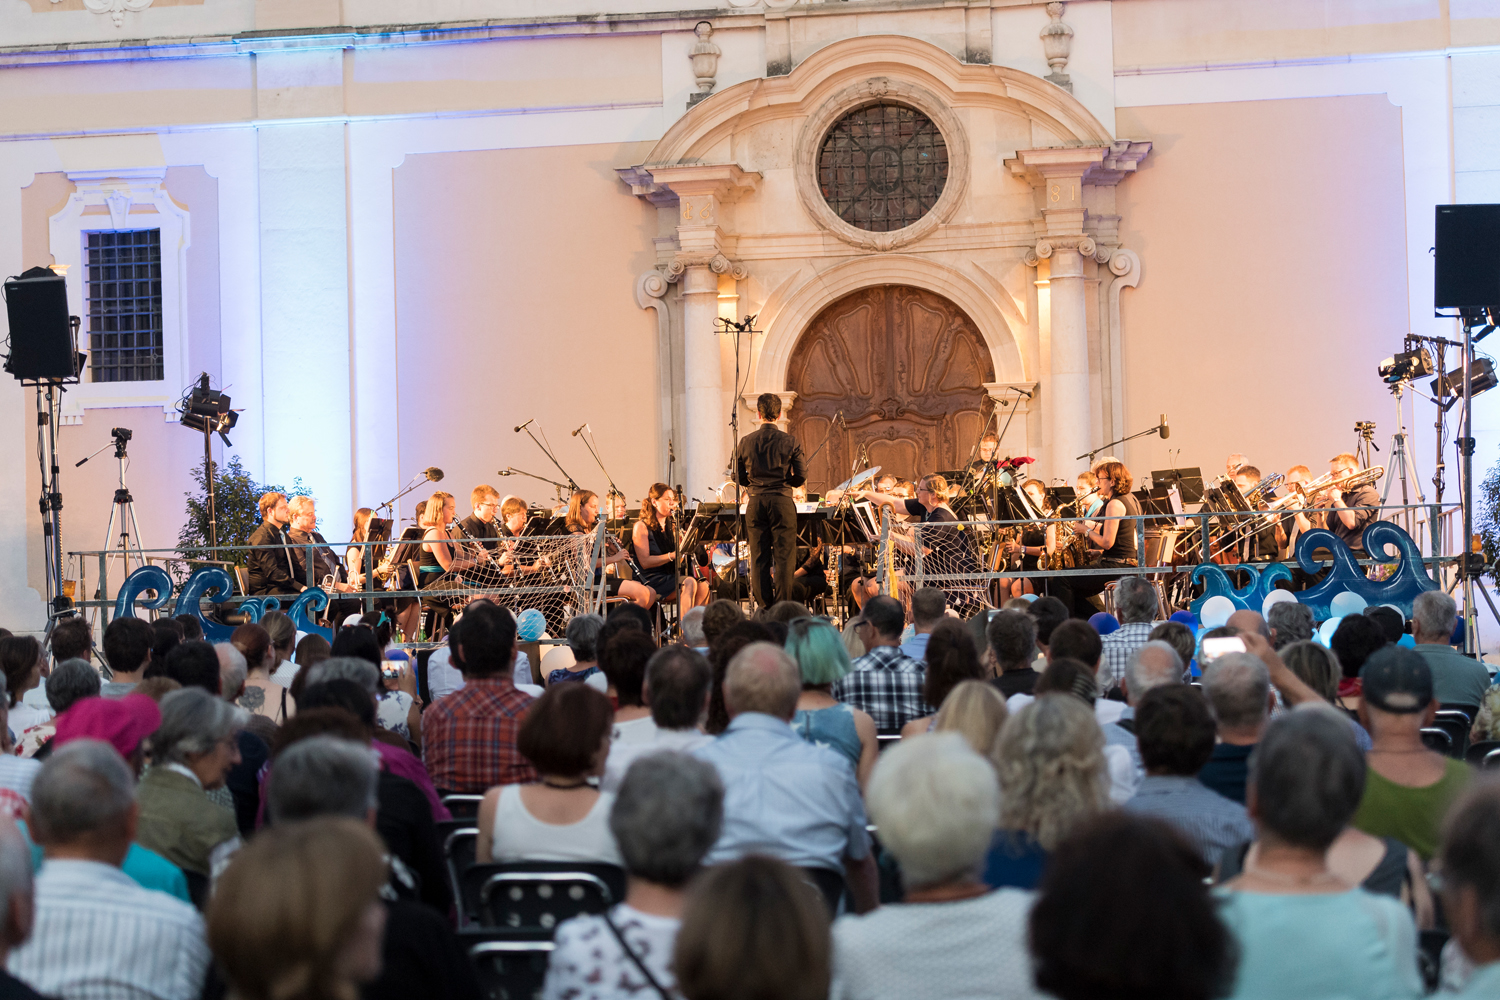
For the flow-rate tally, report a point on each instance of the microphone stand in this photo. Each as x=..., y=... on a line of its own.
x=416, y=481
x=587, y=443
x=838, y=421
x=508, y=471
x=572, y=484
x=1132, y=437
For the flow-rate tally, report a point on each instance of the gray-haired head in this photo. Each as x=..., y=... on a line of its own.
x=762, y=678
x=322, y=776
x=1292, y=622
x=1246, y=620
x=1434, y=614
x=692, y=627
x=15, y=877
x=83, y=790
x=345, y=668
x=232, y=670
x=193, y=722
x=1239, y=689
x=677, y=683
x=937, y=804
x=1306, y=776
x=1135, y=600
x=72, y=680
x=1471, y=853
x=666, y=816
x=582, y=634
x=1151, y=664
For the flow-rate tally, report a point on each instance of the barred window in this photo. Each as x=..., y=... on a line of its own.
x=124, y=305
x=883, y=167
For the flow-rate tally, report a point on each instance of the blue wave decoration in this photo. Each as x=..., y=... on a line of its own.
x=315, y=599
x=1216, y=583
x=137, y=583
x=1409, y=580
x=255, y=608
x=198, y=586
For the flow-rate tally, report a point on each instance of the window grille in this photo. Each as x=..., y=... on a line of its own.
x=883, y=167
x=124, y=305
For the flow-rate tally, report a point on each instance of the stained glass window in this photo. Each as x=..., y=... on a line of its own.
x=883, y=167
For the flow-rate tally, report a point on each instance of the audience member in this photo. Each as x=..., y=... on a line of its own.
x=691, y=625
x=735, y=638
x=565, y=736
x=977, y=712
x=1180, y=638
x=311, y=649
x=666, y=817
x=127, y=648
x=1137, y=605
x=718, y=617
x=232, y=673
x=785, y=797
x=1471, y=884
x=1012, y=642
x=676, y=689
x=71, y=681
x=168, y=633
x=853, y=644
x=936, y=803
x=192, y=627
x=885, y=682
x=1318, y=668
x=278, y=625
x=72, y=639
x=1048, y=613
x=786, y=612
x=1076, y=639
x=582, y=635
x=1176, y=733
x=1456, y=679
x=1303, y=931
x=1356, y=638
x=1123, y=914
x=1052, y=777
x=1290, y=621
x=951, y=659
x=752, y=929
x=929, y=606
x=1408, y=788
x=17, y=906
x=298, y=912
x=191, y=754
x=623, y=663
x=156, y=688
x=1238, y=687
x=469, y=736
x=821, y=718
x=1245, y=620
x=96, y=931
x=25, y=666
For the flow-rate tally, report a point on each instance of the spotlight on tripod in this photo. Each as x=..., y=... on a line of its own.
x=1406, y=366
x=207, y=410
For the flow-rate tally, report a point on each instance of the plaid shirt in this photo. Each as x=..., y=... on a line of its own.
x=1118, y=646
x=469, y=737
x=887, y=684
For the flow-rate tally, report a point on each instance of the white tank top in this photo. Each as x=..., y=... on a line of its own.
x=520, y=836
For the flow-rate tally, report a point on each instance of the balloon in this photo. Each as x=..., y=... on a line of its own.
x=1407, y=641
x=1028, y=597
x=530, y=625
x=1216, y=611
x=1274, y=598
x=1325, y=632
x=1185, y=617
x=1104, y=623
x=1347, y=603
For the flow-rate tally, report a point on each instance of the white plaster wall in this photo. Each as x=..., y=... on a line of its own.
x=1091, y=63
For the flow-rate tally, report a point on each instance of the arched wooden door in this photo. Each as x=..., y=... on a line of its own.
x=906, y=367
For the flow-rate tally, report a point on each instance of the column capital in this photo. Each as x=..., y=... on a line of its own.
x=715, y=262
x=1100, y=166
x=787, y=399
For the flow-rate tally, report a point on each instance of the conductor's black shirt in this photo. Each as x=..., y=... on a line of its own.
x=769, y=462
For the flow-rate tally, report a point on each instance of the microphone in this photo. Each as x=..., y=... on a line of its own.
x=433, y=473
x=505, y=472
x=1166, y=431
x=522, y=427
x=579, y=428
x=671, y=455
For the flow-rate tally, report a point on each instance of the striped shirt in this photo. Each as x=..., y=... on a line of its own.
x=1209, y=821
x=100, y=936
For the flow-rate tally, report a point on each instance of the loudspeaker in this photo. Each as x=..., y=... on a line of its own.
x=1467, y=256
x=41, y=339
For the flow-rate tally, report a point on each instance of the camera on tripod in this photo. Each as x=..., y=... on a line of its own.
x=122, y=437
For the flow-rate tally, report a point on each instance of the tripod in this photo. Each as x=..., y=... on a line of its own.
x=1400, y=465
x=1364, y=440
x=122, y=513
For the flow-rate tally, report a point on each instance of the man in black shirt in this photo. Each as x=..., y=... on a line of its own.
x=272, y=570
x=768, y=462
x=1354, y=511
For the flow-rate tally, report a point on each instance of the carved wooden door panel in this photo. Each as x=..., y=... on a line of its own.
x=906, y=367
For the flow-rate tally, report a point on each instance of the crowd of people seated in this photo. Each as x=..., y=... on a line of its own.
x=1009, y=806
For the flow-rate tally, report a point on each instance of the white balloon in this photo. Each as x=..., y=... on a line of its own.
x=1325, y=632
x=1347, y=603
x=1274, y=598
x=1216, y=611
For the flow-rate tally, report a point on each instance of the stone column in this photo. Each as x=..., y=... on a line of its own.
x=703, y=452
x=1068, y=404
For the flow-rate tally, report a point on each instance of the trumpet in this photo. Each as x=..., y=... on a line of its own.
x=1326, y=484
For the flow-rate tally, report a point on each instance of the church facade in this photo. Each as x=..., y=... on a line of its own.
x=394, y=233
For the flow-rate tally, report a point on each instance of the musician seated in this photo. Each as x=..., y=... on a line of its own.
x=988, y=446
x=442, y=559
x=272, y=570
x=655, y=541
x=1087, y=485
x=395, y=572
x=481, y=525
x=328, y=569
x=952, y=547
x=1352, y=511
x=811, y=577
x=583, y=519
x=1116, y=538
x=1034, y=540
x=513, y=515
x=1260, y=546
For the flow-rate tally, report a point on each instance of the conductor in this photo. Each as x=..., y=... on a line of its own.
x=768, y=462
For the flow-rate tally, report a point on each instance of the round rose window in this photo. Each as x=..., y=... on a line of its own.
x=882, y=167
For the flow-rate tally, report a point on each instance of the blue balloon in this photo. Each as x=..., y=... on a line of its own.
x=1028, y=597
x=530, y=625
x=1407, y=641
x=1104, y=623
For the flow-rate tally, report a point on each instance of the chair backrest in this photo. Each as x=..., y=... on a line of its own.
x=1477, y=752
x=507, y=968
x=1457, y=728
x=1437, y=739
x=463, y=806
x=1472, y=711
x=459, y=845
x=829, y=883
x=242, y=575
x=535, y=896
x=884, y=741
x=1491, y=760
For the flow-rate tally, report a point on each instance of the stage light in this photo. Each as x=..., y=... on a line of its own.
x=1406, y=366
x=207, y=410
x=1481, y=379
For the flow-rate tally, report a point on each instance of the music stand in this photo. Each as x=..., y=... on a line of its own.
x=1060, y=495
x=1189, y=482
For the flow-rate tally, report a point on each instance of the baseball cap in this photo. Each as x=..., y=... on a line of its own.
x=122, y=722
x=1397, y=680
